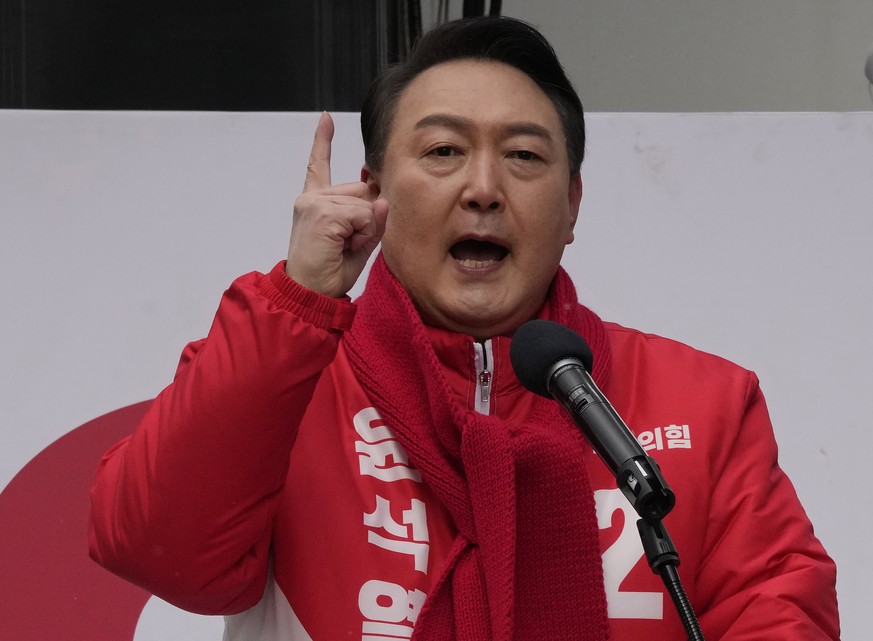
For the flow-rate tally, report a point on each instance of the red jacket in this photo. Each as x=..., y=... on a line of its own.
x=262, y=484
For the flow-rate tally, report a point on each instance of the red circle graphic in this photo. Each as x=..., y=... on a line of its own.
x=49, y=587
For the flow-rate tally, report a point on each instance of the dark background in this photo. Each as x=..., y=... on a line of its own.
x=262, y=55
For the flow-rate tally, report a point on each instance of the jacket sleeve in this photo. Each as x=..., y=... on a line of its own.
x=184, y=506
x=764, y=574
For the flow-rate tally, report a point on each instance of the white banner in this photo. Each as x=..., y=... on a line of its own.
x=744, y=234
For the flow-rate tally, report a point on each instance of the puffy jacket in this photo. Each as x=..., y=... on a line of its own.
x=263, y=485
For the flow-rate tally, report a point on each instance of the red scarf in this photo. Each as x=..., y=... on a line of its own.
x=526, y=563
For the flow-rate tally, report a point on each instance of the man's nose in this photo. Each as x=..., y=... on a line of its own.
x=483, y=190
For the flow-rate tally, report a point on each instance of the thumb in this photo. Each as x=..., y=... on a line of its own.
x=368, y=237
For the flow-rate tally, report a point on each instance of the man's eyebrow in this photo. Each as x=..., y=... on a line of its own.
x=444, y=120
x=464, y=124
x=528, y=129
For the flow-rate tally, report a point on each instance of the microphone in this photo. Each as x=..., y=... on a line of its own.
x=554, y=361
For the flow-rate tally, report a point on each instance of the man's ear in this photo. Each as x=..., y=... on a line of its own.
x=574, y=196
x=371, y=180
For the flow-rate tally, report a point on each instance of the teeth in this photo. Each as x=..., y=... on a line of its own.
x=475, y=264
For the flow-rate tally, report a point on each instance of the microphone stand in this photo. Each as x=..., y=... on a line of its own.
x=650, y=496
x=663, y=559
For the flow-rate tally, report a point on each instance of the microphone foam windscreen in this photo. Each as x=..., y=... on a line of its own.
x=539, y=344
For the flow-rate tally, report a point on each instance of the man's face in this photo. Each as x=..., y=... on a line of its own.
x=481, y=199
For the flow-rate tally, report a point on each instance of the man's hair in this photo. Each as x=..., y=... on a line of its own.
x=497, y=39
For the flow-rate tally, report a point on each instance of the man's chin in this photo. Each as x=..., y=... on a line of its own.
x=483, y=327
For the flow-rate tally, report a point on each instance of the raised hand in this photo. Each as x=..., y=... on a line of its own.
x=336, y=227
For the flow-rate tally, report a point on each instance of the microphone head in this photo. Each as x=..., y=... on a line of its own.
x=537, y=345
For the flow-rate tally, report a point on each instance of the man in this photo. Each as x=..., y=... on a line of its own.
x=317, y=478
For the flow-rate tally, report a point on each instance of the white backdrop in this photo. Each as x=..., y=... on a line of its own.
x=744, y=234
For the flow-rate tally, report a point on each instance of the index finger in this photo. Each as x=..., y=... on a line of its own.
x=318, y=169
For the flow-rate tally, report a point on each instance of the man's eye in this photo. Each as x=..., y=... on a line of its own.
x=443, y=151
x=521, y=154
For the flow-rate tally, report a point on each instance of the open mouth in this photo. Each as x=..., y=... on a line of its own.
x=475, y=254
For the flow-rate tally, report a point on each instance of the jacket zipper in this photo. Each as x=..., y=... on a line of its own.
x=484, y=358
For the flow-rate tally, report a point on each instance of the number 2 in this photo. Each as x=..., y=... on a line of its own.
x=620, y=558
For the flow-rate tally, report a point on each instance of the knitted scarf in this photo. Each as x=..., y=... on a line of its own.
x=526, y=563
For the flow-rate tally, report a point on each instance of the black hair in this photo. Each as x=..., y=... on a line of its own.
x=500, y=39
